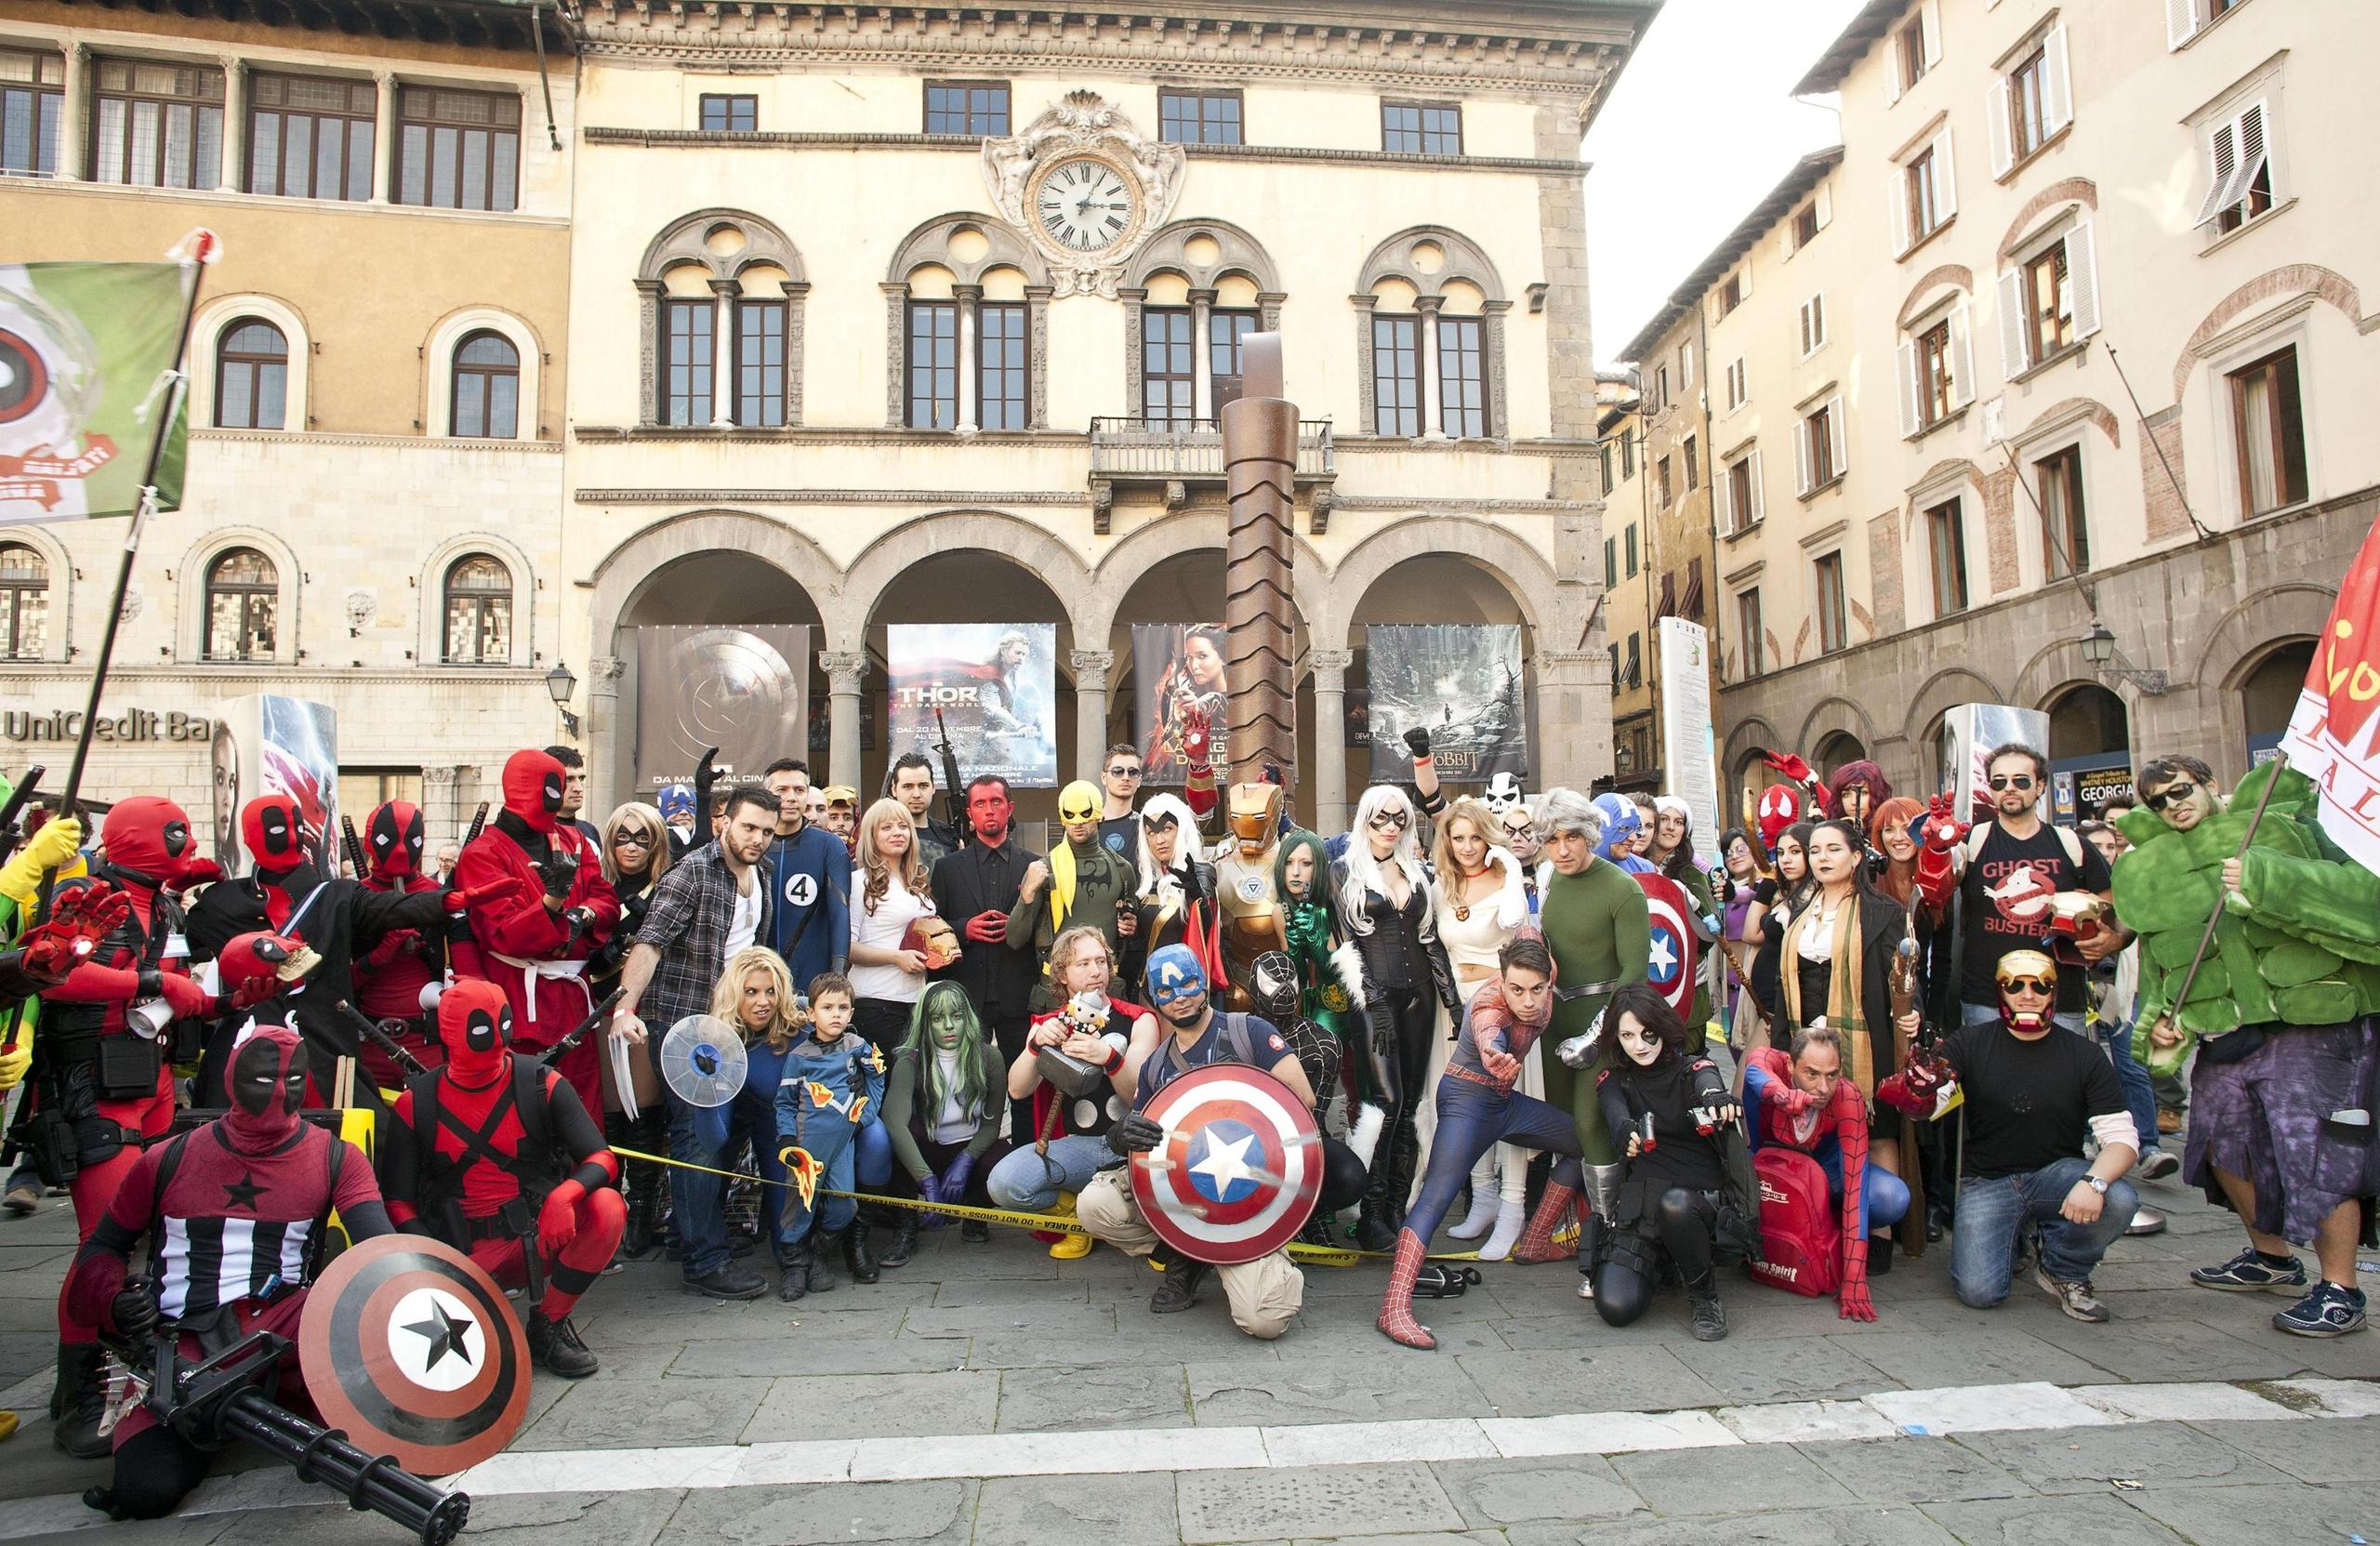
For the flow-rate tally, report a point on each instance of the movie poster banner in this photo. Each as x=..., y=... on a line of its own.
x=995, y=686
x=1973, y=729
x=1176, y=668
x=1459, y=682
x=741, y=689
x=266, y=743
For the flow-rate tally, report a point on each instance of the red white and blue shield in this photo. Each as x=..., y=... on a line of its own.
x=1670, y=969
x=1240, y=1168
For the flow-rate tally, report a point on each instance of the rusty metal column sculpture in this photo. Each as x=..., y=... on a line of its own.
x=1260, y=465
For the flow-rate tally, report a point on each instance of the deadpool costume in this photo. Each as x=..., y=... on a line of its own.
x=504, y=1161
x=106, y=1075
x=393, y=976
x=535, y=935
x=234, y=1211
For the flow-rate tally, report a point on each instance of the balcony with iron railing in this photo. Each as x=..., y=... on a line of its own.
x=1178, y=452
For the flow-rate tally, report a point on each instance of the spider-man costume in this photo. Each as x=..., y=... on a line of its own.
x=492, y=1133
x=1835, y=1137
x=391, y=975
x=537, y=936
x=236, y=1209
x=111, y=1083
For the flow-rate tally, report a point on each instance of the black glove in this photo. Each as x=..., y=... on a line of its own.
x=134, y=1310
x=1135, y=1135
x=152, y=984
x=560, y=873
x=1766, y=892
x=1418, y=741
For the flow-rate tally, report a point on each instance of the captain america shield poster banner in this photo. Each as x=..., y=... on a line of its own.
x=996, y=684
x=743, y=689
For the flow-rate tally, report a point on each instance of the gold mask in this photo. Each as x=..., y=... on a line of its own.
x=1078, y=802
x=1255, y=816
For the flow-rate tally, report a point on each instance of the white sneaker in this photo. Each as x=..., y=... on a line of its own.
x=1511, y=1218
x=1586, y=1287
x=2157, y=1166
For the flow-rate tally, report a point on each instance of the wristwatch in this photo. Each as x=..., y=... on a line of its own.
x=2095, y=1185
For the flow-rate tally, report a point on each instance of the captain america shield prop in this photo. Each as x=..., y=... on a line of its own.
x=1669, y=970
x=407, y=1345
x=1240, y=1168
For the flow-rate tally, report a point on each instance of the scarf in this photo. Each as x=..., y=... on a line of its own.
x=1062, y=866
x=1841, y=1008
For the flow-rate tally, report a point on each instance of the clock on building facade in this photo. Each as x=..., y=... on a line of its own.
x=1085, y=187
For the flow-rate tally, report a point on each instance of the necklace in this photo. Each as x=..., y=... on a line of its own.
x=1461, y=899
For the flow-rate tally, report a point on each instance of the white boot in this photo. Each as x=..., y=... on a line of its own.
x=1484, y=1203
x=1511, y=1219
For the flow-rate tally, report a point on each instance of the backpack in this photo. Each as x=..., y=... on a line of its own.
x=1799, y=1235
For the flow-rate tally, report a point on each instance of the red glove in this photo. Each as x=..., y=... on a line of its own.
x=185, y=998
x=197, y=872
x=1941, y=829
x=1913, y=1090
x=1851, y=1300
x=987, y=928
x=493, y=890
x=1194, y=739
x=1787, y=1097
x=82, y=917
x=557, y=1220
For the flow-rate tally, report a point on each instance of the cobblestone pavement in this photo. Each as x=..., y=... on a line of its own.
x=987, y=1393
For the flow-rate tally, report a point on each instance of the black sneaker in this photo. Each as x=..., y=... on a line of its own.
x=1710, y=1315
x=1179, y=1289
x=974, y=1232
x=2248, y=1273
x=2328, y=1311
x=554, y=1345
x=730, y=1281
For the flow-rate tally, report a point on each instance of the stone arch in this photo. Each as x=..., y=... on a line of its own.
x=1330, y=601
x=2054, y=668
x=2082, y=190
x=947, y=242
x=1022, y=542
x=930, y=243
x=1957, y=275
x=1166, y=251
x=1131, y=557
x=59, y=598
x=438, y=357
x=1459, y=260
x=1745, y=737
x=2077, y=407
x=1464, y=260
x=623, y=571
x=2327, y=285
x=429, y=622
x=190, y=585
x=1835, y=716
x=1952, y=685
x=2255, y=623
x=687, y=240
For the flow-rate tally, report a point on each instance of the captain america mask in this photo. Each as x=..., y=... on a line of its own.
x=1177, y=984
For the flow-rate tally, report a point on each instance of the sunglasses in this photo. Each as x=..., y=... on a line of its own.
x=2028, y=985
x=1121, y=771
x=2012, y=781
x=2172, y=795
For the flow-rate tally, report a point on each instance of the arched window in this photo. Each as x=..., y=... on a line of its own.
x=24, y=603
x=1430, y=337
x=479, y=611
x=243, y=605
x=487, y=388
x=251, y=377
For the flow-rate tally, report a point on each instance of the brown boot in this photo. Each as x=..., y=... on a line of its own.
x=1397, y=1320
x=1536, y=1241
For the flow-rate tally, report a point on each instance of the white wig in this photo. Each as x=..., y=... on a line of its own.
x=1365, y=873
x=1560, y=809
x=1155, y=879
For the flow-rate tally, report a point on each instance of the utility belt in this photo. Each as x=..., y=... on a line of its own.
x=1565, y=994
x=122, y=1064
x=1472, y=1076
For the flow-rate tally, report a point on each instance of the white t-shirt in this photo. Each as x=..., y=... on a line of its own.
x=883, y=929
x=745, y=925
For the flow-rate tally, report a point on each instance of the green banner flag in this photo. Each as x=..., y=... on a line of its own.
x=85, y=349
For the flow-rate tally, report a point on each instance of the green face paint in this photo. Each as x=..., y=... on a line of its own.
x=946, y=1020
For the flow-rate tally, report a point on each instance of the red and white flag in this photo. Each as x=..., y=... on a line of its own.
x=2332, y=736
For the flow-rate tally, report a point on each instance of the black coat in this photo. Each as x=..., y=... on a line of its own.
x=974, y=879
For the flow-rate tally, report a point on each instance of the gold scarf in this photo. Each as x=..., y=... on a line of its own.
x=1062, y=885
x=1843, y=995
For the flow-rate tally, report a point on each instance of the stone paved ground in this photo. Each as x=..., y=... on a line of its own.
x=706, y=1418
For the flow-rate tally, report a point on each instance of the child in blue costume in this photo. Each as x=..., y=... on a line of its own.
x=827, y=1098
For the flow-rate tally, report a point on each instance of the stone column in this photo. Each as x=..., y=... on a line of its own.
x=1331, y=738
x=845, y=670
x=722, y=352
x=603, y=727
x=1202, y=381
x=443, y=816
x=384, y=137
x=970, y=407
x=1573, y=717
x=1090, y=710
x=229, y=176
x=1426, y=363
x=75, y=120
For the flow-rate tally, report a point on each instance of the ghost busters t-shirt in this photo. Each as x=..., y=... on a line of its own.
x=2004, y=903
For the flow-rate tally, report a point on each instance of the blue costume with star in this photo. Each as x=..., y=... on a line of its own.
x=820, y=1110
x=811, y=872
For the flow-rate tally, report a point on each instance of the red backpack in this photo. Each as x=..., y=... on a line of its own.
x=1798, y=1231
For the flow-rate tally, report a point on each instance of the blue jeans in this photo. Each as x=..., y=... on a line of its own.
x=1989, y=1214
x=2137, y=1098
x=1024, y=1181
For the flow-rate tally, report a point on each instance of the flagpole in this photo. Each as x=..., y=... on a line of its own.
x=195, y=251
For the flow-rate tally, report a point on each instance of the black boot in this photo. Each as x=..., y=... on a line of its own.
x=905, y=1241
x=796, y=1279
x=1182, y=1277
x=1375, y=1228
x=857, y=1258
x=79, y=1402
x=820, y=1246
x=1710, y=1315
x=1406, y=1156
x=554, y=1346
x=1880, y=1255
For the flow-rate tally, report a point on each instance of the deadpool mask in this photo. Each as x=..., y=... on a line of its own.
x=266, y=1084
x=273, y=833
x=255, y=967
x=533, y=788
x=393, y=834
x=147, y=837
x=475, y=1024
x=991, y=810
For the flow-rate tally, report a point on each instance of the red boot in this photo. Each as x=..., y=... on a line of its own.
x=1397, y=1320
x=1536, y=1241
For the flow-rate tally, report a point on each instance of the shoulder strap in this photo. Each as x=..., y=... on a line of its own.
x=1236, y=1040
x=530, y=1099
x=1974, y=839
x=168, y=1163
x=2071, y=840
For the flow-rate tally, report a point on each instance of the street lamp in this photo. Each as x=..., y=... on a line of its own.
x=559, y=685
x=2098, y=645
x=2099, y=648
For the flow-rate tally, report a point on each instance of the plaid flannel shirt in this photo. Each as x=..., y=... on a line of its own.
x=693, y=907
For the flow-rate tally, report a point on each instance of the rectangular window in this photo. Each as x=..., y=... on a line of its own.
x=978, y=108
x=158, y=125
x=1661, y=481
x=1630, y=537
x=1748, y=626
x=934, y=364
x=2268, y=427
x=33, y=106
x=1806, y=225
x=457, y=150
x=1693, y=466
x=760, y=363
x=2049, y=317
x=1819, y=434
x=2239, y=186
x=1463, y=397
x=1397, y=376
x=1198, y=117
x=725, y=113
x=2027, y=105
x=1738, y=385
x=1610, y=561
x=1945, y=540
x=1627, y=457
x=1660, y=389
x=687, y=355
x=1001, y=356
x=1934, y=375
x=1226, y=336
x=1909, y=44
x=1168, y=376
x=1924, y=201
x=1422, y=128
x=1636, y=661
x=1813, y=325
x=1834, y=625
x=309, y=137
x=1743, y=494
x=2065, y=533
x=1731, y=294
x=1602, y=465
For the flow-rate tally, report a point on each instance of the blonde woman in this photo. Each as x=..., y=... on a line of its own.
x=891, y=894
x=635, y=857
x=1482, y=902
x=755, y=994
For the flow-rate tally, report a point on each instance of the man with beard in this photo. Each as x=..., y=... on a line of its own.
x=911, y=782
x=235, y=1207
x=1189, y=1034
x=976, y=889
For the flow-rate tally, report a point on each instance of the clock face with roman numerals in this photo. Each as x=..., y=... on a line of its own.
x=1084, y=204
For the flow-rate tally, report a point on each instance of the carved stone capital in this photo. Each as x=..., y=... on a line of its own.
x=1090, y=669
x=845, y=670
x=1330, y=669
x=608, y=668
